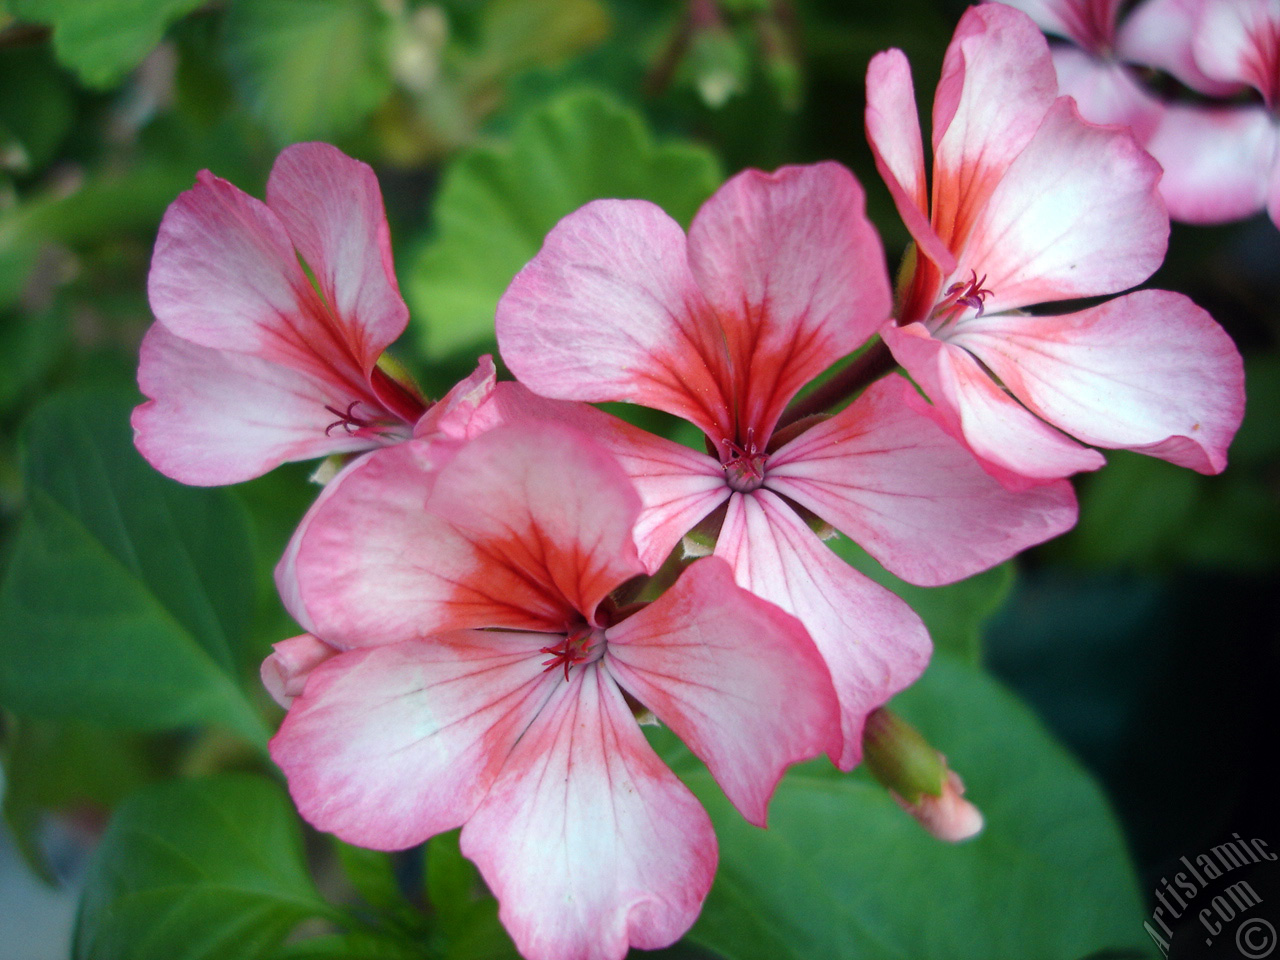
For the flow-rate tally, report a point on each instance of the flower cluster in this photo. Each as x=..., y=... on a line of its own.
x=1219, y=144
x=499, y=587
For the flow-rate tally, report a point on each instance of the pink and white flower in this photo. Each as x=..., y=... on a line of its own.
x=255, y=358
x=1222, y=162
x=780, y=276
x=1094, y=67
x=487, y=678
x=1031, y=204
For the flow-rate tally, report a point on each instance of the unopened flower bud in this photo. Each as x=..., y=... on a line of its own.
x=917, y=777
x=285, y=671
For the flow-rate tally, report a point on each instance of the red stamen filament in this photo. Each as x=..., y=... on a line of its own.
x=969, y=292
x=572, y=650
x=349, y=421
x=744, y=463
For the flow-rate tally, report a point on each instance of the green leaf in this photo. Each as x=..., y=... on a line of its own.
x=955, y=614
x=1132, y=512
x=37, y=107
x=842, y=872
x=128, y=597
x=466, y=917
x=518, y=34
x=373, y=874
x=310, y=69
x=497, y=203
x=207, y=868
x=50, y=766
x=102, y=40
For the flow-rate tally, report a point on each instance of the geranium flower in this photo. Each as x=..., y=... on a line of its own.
x=255, y=358
x=1222, y=162
x=1031, y=204
x=489, y=679
x=781, y=275
x=1095, y=66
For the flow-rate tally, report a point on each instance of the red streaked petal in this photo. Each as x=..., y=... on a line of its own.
x=893, y=130
x=1077, y=214
x=588, y=841
x=796, y=275
x=608, y=310
x=372, y=565
x=894, y=482
x=1149, y=371
x=331, y=207
x=543, y=501
x=873, y=643
x=997, y=83
x=734, y=676
x=390, y=745
x=677, y=486
x=218, y=416
x=1012, y=445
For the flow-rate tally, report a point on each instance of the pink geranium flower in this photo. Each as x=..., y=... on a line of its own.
x=780, y=276
x=256, y=359
x=1094, y=67
x=1222, y=162
x=488, y=679
x=1031, y=204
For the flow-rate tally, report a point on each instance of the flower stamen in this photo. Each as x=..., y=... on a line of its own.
x=743, y=463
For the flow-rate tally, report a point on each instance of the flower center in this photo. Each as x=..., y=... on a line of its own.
x=582, y=644
x=356, y=425
x=743, y=463
x=967, y=294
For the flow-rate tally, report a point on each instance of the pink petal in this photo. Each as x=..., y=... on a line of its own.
x=285, y=671
x=608, y=310
x=589, y=842
x=1217, y=161
x=1087, y=23
x=1107, y=92
x=217, y=416
x=1012, y=445
x=525, y=527
x=677, y=486
x=331, y=207
x=224, y=273
x=1161, y=33
x=796, y=275
x=1239, y=40
x=547, y=503
x=391, y=745
x=895, y=483
x=459, y=413
x=1150, y=371
x=736, y=678
x=371, y=565
x=1077, y=214
x=893, y=130
x=873, y=643
x=997, y=83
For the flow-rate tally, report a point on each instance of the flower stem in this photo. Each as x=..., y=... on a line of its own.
x=873, y=364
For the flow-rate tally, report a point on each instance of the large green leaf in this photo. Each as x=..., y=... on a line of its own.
x=60, y=766
x=103, y=39
x=311, y=69
x=199, y=868
x=128, y=597
x=842, y=872
x=497, y=203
